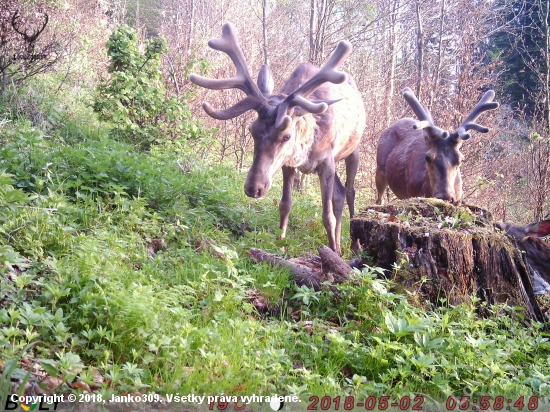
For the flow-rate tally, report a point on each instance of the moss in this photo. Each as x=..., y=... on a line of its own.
x=433, y=213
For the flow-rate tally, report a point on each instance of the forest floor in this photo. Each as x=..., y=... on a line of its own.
x=128, y=272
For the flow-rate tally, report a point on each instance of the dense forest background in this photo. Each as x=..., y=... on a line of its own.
x=449, y=53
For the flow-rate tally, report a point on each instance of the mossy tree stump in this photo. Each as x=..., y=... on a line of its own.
x=452, y=252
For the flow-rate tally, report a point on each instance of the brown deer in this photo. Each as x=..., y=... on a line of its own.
x=418, y=159
x=300, y=127
x=536, y=250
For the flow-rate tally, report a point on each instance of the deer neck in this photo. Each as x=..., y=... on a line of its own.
x=304, y=129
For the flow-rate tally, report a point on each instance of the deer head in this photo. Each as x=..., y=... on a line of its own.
x=537, y=229
x=537, y=251
x=274, y=131
x=443, y=156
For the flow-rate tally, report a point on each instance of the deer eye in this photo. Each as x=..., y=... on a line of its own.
x=285, y=138
x=429, y=158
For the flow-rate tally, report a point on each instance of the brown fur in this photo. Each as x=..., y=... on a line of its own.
x=401, y=164
x=527, y=238
x=316, y=120
x=418, y=159
x=317, y=142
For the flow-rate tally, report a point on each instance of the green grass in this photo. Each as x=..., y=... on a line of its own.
x=81, y=294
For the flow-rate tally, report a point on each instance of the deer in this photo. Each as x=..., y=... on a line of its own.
x=314, y=121
x=537, y=251
x=418, y=159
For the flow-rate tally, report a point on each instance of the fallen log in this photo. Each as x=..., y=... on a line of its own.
x=303, y=275
x=309, y=271
x=445, y=251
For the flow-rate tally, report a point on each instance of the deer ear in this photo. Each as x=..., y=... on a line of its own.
x=265, y=81
x=539, y=229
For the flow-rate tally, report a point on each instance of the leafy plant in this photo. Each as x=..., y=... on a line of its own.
x=134, y=98
x=306, y=295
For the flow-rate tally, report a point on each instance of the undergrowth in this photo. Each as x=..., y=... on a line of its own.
x=128, y=271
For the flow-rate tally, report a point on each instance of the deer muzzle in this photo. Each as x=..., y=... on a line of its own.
x=446, y=196
x=257, y=184
x=256, y=191
x=264, y=166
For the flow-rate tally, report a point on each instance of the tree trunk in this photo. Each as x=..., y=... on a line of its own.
x=312, y=31
x=446, y=252
x=420, y=48
x=439, y=54
x=264, y=31
x=390, y=81
x=545, y=160
x=191, y=32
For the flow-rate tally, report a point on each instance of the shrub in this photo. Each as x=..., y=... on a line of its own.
x=134, y=98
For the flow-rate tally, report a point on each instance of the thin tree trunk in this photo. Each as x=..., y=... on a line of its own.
x=392, y=59
x=172, y=73
x=312, y=31
x=543, y=159
x=439, y=54
x=323, y=26
x=191, y=28
x=547, y=64
x=320, y=33
x=264, y=26
x=420, y=47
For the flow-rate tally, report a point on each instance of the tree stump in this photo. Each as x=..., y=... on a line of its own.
x=451, y=252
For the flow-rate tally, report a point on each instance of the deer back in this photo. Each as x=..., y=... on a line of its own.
x=336, y=132
x=538, y=255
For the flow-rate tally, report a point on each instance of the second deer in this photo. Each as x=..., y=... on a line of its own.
x=418, y=159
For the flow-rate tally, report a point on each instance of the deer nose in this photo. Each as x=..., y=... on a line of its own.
x=447, y=198
x=255, y=192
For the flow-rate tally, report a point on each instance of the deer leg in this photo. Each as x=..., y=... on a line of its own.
x=352, y=164
x=326, y=172
x=285, y=206
x=338, y=198
x=381, y=185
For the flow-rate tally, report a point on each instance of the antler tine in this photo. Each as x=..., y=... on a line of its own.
x=243, y=106
x=426, y=121
x=485, y=104
x=415, y=105
x=327, y=74
x=229, y=44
